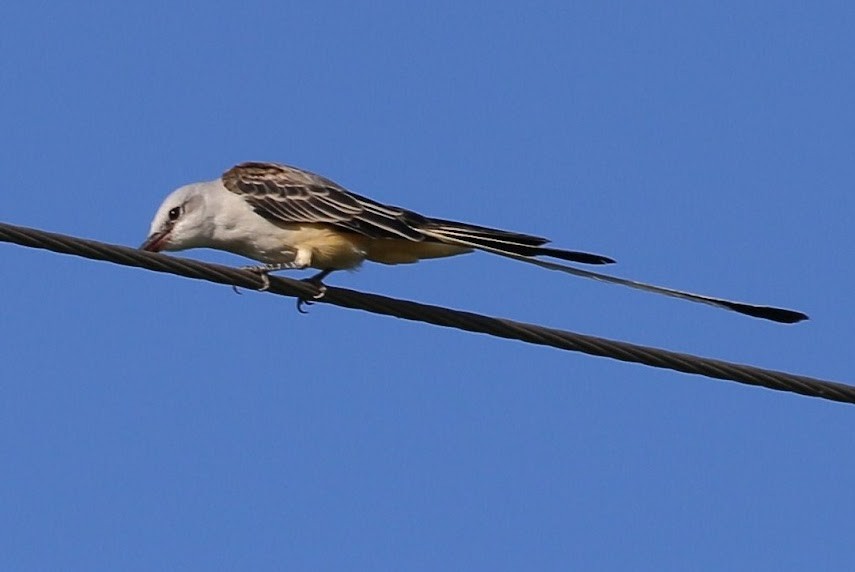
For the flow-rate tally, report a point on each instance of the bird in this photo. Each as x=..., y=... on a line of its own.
x=289, y=218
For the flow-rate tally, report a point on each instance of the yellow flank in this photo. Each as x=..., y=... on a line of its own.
x=394, y=251
x=331, y=248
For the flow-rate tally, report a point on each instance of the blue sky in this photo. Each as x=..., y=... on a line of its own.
x=153, y=422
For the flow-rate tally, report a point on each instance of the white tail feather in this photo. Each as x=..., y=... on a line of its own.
x=766, y=312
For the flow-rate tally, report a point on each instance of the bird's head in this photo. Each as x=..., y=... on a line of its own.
x=181, y=222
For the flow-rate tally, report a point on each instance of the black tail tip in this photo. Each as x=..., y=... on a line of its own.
x=784, y=316
x=780, y=315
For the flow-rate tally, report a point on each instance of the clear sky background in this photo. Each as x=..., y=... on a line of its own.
x=150, y=422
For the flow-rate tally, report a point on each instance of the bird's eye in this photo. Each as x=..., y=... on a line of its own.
x=174, y=213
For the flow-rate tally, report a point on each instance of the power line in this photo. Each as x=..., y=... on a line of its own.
x=436, y=315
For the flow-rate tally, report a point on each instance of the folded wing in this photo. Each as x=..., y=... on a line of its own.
x=290, y=195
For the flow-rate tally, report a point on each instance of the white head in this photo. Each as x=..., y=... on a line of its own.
x=182, y=221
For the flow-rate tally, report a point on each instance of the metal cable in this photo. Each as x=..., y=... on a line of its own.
x=432, y=314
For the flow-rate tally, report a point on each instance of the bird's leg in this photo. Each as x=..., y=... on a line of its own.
x=317, y=281
x=264, y=269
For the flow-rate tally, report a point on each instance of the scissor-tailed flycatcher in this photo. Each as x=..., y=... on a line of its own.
x=288, y=218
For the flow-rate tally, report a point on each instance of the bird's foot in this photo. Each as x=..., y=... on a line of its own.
x=262, y=272
x=317, y=282
x=265, y=269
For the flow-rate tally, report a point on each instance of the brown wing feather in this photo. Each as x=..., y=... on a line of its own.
x=290, y=195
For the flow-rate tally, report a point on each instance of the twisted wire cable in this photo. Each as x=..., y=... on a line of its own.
x=436, y=315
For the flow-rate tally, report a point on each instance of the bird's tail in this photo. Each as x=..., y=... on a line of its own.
x=503, y=242
x=525, y=248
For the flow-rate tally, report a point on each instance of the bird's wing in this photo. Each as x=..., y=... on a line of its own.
x=290, y=195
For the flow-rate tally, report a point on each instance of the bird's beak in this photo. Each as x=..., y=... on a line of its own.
x=155, y=242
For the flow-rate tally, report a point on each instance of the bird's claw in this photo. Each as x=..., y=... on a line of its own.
x=316, y=281
x=322, y=290
x=261, y=271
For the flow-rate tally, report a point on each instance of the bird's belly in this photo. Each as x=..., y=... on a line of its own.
x=326, y=247
x=323, y=247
